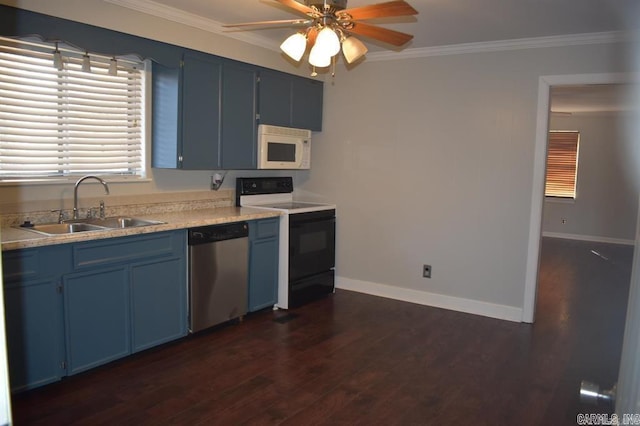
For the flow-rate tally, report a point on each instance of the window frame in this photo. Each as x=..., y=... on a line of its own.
x=144, y=174
x=570, y=153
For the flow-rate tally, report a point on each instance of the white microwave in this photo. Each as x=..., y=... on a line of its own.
x=283, y=148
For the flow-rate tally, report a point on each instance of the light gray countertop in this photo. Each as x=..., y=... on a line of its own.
x=16, y=238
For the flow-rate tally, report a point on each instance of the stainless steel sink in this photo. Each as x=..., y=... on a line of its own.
x=64, y=228
x=123, y=222
x=85, y=225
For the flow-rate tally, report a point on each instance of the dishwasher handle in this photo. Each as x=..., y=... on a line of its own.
x=213, y=233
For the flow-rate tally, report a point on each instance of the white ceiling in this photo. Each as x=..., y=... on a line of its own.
x=439, y=22
x=455, y=24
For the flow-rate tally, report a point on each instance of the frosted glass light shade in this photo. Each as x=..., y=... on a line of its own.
x=328, y=42
x=353, y=49
x=294, y=46
x=319, y=58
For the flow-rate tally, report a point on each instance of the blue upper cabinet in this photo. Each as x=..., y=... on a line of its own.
x=290, y=101
x=186, y=114
x=306, y=104
x=201, y=78
x=239, y=125
x=275, y=98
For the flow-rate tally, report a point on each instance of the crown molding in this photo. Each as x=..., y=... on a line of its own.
x=502, y=45
x=169, y=13
x=151, y=7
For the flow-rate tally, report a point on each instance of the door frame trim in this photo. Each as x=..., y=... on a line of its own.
x=539, y=170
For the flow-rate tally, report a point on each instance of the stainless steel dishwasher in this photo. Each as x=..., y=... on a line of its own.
x=218, y=274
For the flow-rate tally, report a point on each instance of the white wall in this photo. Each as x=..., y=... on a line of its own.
x=606, y=204
x=431, y=161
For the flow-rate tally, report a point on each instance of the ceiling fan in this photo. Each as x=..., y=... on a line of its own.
x=330, y=26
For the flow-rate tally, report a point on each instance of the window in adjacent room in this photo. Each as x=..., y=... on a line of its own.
x=66, y=113
x=562, y=164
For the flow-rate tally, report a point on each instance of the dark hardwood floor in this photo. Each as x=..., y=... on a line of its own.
x=359, y=359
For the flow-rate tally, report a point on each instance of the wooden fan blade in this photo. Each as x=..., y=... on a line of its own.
x=395, y=38
x=312, y=34
x=280, y=22
x=380, y=10
x=298, y=7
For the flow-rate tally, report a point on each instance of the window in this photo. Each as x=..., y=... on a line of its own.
x=562, y=164
x=65, y=113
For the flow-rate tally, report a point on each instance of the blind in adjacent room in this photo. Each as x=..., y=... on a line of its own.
x=562, y=164
x=68, y=122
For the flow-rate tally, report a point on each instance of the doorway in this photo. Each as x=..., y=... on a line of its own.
x=537, y=201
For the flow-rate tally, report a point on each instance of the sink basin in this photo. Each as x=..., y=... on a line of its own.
x=85, y=225
x=65, y=228
x=123, y=222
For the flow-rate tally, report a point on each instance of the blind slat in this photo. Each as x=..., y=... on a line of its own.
x=59, y=122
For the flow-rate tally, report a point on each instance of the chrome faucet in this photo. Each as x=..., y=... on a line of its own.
x=75, y=191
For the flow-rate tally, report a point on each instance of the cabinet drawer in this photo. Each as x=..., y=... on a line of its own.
x=34, y=263
x=123, y=249
x=266, y=228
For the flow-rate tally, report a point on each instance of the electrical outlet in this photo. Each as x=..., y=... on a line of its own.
x=563, y=220
x=426, y=271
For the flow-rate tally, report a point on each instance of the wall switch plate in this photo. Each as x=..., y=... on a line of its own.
x=426, y=271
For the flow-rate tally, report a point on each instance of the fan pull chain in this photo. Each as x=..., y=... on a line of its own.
x=333, y=66
x=313, y=72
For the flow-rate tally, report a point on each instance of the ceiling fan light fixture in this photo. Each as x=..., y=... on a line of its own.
x=328, y=42
x=353, y=49
x=319, y=58
x=295, y=46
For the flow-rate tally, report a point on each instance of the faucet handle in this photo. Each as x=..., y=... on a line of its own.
x=102, y=209
x=60, y=214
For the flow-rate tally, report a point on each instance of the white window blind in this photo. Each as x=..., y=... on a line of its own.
x=562, y=164
x=68, y=122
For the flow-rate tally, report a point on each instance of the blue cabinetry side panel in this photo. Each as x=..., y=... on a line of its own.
x=239, y=125
x=165, y=122
x=35, y=340
x=159, y=302
x=96, y=317
x=274, y=98
x=200, y=104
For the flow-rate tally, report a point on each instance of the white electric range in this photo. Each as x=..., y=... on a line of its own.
x=307, y=238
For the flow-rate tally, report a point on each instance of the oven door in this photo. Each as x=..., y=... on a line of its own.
x=312, y=241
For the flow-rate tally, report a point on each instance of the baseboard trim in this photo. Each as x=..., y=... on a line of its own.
x=591, y=238
x=492, y=310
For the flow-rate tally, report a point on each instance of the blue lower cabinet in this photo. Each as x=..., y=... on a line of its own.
x=263, y=263
x=158, y=302
x=96, y=318
x=72, y=307
x=35, y=339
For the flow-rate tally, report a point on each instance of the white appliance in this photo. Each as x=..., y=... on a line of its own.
x=307, y=239
x=283, y=148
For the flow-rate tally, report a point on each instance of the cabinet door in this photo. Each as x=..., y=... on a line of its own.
x=275, y=98
x=96, y=317
x=306, y=112
x=158, y=302
x=35, y=340
x=239, y=116
x=165, y=135
x=263, y=264
x=200, y=112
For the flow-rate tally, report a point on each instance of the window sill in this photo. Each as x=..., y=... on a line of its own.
x=72, y=181
x=559, y=200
